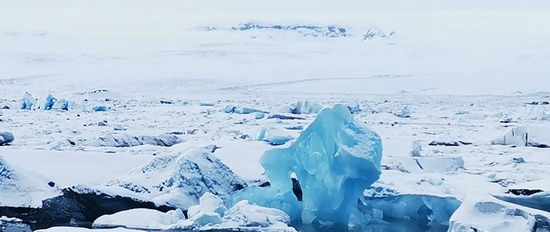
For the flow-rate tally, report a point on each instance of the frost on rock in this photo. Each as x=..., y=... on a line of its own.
x=125, y=140
x=178, y=180
x=334, y=160
x=6, y=138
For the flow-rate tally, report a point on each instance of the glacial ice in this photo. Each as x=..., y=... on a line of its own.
x=242, y=110
x=334, y=159
x=304, y=107
x=6, y=137
x=53, y=103
x=139, y=218
x=423, y=209
x=528, y=136
x=27, y=101
x=274, y=136
x=209, y=215
x=486, y=213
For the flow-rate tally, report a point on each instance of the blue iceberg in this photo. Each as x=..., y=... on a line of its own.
x=27, y=101
x=334, y=160
x=50, y=101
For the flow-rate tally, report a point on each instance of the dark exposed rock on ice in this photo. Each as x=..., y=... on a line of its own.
x=284, y=117
x=75, y=209
x=445, y=143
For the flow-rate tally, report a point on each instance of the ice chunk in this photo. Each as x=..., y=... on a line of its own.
x=6, y=137
x=486, y=213
x=242, y=110
x=177, y=180
x=532, y=136
x=210, y=214
x=27, y=102
x=53, y=103
x=305, y=107
x=139, y=218
x=274, y=136
x=416, y=149
x=208, y=203
x=402, y=112
x=244, y=214
x=424, y=210
x=209, y=211
x=334, y=159
x=50, y=100
x=100, y=108
x=533, y=194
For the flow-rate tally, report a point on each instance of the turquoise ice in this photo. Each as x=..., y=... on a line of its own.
x=334, y=160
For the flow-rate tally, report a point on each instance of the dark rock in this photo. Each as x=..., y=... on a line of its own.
x=465, y=143
x=75, y=209
x=537, y=145
x=166, y=102
x=448, y=144
x=284, y=117
x=296, y=189
x=523, y=192
x=51, y=184
x=265, y=184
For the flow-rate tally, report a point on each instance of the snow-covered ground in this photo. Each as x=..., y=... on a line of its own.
x=140, y=74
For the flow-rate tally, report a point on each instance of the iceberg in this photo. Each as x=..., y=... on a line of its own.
x=6, y=138
x=176, y=180
x=27, y=102
x=53, y=103
x=304, y=107
x=528, y=136
x=334, y=160
x=486, y=213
